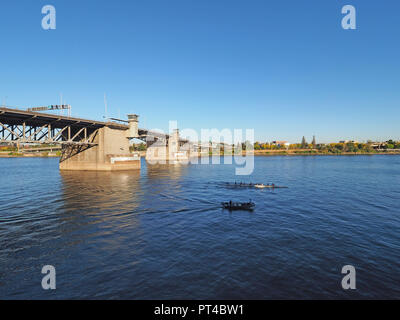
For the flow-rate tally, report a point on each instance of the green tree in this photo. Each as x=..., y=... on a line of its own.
x=351, y=147
x=303, y=143
x=138, y=147
x=314, y=143
x=339, y=147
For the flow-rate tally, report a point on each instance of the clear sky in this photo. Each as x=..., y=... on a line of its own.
x=285, y=68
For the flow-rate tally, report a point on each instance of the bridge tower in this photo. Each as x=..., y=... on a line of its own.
x=133, y=131
x=167, y=149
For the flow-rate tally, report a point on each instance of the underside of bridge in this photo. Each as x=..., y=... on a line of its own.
x=90, y=145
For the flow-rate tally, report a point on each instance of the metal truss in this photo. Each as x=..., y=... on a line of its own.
x=46, y=134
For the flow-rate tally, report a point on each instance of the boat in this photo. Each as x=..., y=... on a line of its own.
x=240, y=185
x=254, y=185
x=249, y=206
x=263, y=186
x=260, y=186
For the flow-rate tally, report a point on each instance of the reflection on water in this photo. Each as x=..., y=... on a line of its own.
x=160, y=233
x=169, y=172
x=101, y=194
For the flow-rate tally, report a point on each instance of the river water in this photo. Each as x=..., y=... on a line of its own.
x=160, y=233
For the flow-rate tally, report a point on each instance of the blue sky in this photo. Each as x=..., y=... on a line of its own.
x=284, y=68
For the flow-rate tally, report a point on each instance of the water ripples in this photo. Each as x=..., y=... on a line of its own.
x=160, y=233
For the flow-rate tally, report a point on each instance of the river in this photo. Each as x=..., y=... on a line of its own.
x=160, y=233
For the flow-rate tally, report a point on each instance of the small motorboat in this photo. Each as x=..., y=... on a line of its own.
x=249, y=206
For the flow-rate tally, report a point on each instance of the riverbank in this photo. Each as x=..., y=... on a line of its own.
x=265, y=153
x=272, y=153
x=29, y=155
x=317, y=153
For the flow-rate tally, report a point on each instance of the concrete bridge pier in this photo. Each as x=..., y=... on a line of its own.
x=168, y=150
x=108, y=150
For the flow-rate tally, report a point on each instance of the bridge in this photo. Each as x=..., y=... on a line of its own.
x=88, y=144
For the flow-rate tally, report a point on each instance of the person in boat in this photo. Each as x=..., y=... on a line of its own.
x=273, y=185
x=230, y=203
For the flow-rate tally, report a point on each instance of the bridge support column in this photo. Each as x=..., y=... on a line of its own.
x=169, y=151
x=110, y=153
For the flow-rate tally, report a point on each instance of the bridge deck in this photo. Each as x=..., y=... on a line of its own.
x=17, y=117
x=38, y=119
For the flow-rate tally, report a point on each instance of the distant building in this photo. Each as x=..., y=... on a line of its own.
x=280, y=143
x=378, y=145
x=210, y=146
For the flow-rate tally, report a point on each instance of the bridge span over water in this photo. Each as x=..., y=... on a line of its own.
x=88, y=144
